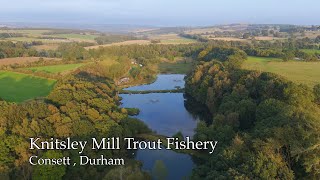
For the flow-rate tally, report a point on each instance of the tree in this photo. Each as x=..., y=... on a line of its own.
x=107, y=39
x=72, y=52
x=265, y=33
x=235, y=62
x=271, y=115
x=128, y=172
x=49, y=172
x=316, y=90
x=179, y=135
x=317, y=40
x=155, y=41
x=271, y=32
x=2, y=55
x=277, y=34
x=287, y=56
x=246, y=36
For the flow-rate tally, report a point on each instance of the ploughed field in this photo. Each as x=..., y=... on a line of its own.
x=17, y=87
x=297, y=71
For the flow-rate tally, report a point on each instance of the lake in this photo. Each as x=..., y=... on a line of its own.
x=166, y=114
x=163, y=82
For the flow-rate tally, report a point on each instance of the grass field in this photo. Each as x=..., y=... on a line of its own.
x=172, y=39
x=56, y=68
x=179, y=66
x=174, y=68
x=35, y=34
x=16, y=87
x=300, y=72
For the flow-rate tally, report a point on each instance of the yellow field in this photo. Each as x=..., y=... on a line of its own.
x=34, y=32
x=47, y=47
x=140, y=42
x=228, y=39
x=267, y=38
x=22, y=60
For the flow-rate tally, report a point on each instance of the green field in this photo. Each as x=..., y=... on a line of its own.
x=311, y=51
x=175, y=68
x=56, y=68
x=16, y=87
x=30, y=35
x=300, y=72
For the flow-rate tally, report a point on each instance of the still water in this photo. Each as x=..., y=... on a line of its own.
x=166, y=114
x=163, y=82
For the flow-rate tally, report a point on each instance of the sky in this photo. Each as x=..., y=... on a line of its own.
x=161, y=12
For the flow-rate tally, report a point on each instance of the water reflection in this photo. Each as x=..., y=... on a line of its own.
x=197, y=109
x=163, y=82
x=164, y=113
x=178, y=166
